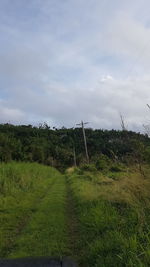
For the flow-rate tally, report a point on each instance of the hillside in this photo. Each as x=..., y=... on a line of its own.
x=55, y=147
x=97, y=213
x=96, y=217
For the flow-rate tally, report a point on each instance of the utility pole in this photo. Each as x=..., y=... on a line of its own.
x=122, y=123
x=74, y=157
x=84, y=137
x=147, y=127
x=148, y=106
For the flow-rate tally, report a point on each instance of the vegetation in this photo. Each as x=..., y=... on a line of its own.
x=97, y=213
x=113, y=216
x=32, y=211
x=55, y=147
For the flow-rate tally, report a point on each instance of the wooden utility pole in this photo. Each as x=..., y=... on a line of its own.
x=122, y=123
x=147, y=127
x=74, y=157
x=84, y=137
x=148, y=106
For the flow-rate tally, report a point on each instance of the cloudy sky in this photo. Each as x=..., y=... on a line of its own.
x=63, y=61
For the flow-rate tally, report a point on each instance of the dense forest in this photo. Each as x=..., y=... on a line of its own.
x=55, y=147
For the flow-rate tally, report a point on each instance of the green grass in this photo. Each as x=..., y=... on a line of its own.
x=46, y=231
x=113, y=216
x=109, y=213
x=32, y=211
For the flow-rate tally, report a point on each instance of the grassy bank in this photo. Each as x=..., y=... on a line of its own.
x=32, y=211
x=113, y=215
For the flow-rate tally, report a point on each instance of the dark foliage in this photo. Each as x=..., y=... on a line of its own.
x=55, y=146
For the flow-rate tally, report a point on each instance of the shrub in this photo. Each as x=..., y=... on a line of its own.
x=102, y=163
x=115, y=168
x=88, y=167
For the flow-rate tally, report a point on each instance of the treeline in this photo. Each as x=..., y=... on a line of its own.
x=55, y=147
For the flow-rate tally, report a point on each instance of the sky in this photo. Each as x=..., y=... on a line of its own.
x=63, y=61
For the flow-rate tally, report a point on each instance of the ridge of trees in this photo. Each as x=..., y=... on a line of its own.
x=55, y=147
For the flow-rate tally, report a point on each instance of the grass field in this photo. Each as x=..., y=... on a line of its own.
x=99, y=219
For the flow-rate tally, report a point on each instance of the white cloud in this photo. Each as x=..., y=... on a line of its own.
x=75, y=60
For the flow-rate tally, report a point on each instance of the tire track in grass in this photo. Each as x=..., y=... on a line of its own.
x=46, y=233
x=72, y=223
x=23, y=222
x=23, y=187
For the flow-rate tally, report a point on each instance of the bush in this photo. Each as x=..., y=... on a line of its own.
x=147, y=154
x=115, y=168
x=88, y=167
x=102, y=163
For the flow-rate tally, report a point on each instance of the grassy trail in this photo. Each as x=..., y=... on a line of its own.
x=33, y=219
x=93, y=218
x=21, y=224
x=46, y=232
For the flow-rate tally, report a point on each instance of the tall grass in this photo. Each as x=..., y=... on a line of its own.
x=113, y=214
